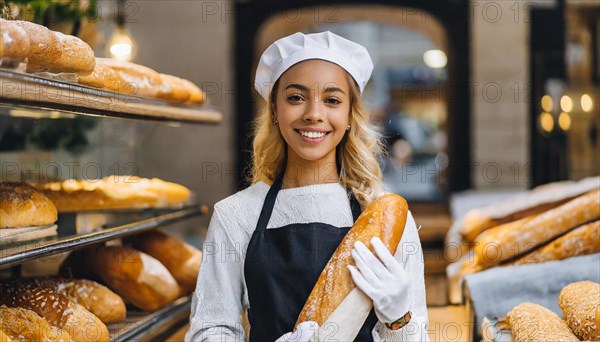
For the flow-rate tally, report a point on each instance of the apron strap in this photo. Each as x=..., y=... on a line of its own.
x=267, y=209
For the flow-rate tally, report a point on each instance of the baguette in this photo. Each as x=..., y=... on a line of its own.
x=511, y=240
x=95, y=298
x=384, y=218
x=137, y=277
x=106, y=78
x=18, y=324
x=14, y=42
x=56, y=52
x=21, y=205
x=181, y=259
x=147, y=82
x=114, y=192
x=537, y=201
x=579, y=303
x=57, y=310
x=531, y=322
x=583, y=240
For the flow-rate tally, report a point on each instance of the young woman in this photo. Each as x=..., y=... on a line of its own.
x=314, y=167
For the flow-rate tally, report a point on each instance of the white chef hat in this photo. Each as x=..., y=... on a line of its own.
x=298, y=47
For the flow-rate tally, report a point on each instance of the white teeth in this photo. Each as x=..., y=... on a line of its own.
x=312, y=135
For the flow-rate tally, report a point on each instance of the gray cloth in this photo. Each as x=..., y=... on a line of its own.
x=494, y=292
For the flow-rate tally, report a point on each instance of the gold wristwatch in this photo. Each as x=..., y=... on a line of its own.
x=400, y=322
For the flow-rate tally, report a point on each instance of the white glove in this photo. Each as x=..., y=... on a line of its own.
x=385, y=281
x=305, y=332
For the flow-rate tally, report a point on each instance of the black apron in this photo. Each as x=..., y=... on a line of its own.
x=282, y=266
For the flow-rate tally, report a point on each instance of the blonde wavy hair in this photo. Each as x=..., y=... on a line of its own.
x=356, y=154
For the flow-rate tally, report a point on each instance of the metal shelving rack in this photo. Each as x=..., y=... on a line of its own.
x=37, y=97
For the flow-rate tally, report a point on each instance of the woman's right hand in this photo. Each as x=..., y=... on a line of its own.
x=304, y=333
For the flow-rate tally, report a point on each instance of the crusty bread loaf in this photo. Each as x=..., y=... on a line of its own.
x=95, y=298
x=57, y=310
x=181, y=259
x=56, y=52
x=107, y=78
x=14, y=41
x=21, y=205
x=537, y=201
x=579, y=302
x=180, y=91
x=18, y=324
x=531, y=322
x=579, y=241
x=137, y=277
x=114, y=192
x=196, y=94
x=145, y=81
x=384, y=218
x=516, y=238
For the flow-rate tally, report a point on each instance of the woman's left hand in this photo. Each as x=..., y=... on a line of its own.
x=385, y=281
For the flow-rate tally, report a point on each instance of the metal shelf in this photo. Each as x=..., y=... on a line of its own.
x=38, y=93
x=142, y=326
x=69, y=239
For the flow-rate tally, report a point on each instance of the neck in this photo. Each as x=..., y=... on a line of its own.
x=300, y=172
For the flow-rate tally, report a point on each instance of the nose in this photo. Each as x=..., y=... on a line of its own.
x=314, y=112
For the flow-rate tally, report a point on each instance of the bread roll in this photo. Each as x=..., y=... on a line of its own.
x=181, y=259
x=18, y=324
x=59, y=311
x=106, y=78
x=580, y=241
x=180, y=91
x=384, y=218
x=579, y=302
x=137, y=277
x=511, y=240
x=145, y=81
x=531, y=322
x=21, y=205
x=196, y=94
x=56, y=52
x=95, y=298
x=114, y=192
x=14, y=42
x=537, y=201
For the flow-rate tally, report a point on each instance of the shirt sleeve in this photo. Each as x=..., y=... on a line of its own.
x=217, y=302
x=411, y=258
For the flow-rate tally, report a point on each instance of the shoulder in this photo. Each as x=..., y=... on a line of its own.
x=240, y=211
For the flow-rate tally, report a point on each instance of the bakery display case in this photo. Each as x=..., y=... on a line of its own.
x=27, y=104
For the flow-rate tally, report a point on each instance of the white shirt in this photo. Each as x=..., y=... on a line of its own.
x=221, y=292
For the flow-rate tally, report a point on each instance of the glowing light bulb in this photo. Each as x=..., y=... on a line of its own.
x=547, y=104
x=566, y=104
x=586, y=103
x=121, y=45
x=435, y=59
x=547, y=122
x=564, y=121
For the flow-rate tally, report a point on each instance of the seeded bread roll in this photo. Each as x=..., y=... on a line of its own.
x=21, y=205
x=57, y=310
x=384, y=218
x=579, y=303
x=95, y=298
x=18, y=324
x=531, y=322
x=14, y=41
x=181, y=259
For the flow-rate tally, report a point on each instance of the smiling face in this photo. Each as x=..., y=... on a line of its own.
x=312, y=105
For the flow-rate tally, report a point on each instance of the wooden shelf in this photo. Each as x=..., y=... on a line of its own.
x=30, y=91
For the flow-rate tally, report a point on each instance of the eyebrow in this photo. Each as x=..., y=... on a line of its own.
x=306, y=89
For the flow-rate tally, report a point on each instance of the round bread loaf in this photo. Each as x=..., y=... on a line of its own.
x=18, y=324
x=14, y=42
x=21, y=205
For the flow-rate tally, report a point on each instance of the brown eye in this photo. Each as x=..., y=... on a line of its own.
x=295, y=98
x=333, y=100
